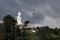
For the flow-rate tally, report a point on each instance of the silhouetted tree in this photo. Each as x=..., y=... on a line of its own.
x=9, y=22
x=25, y=24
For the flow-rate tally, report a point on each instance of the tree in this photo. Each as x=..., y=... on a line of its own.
x=25, y=24
x=9, y=22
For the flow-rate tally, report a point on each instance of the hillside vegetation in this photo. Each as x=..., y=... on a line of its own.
x=9, y=31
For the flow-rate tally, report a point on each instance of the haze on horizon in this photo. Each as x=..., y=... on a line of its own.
x=39, y=12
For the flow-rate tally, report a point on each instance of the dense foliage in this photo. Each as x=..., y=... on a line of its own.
x=9, y=31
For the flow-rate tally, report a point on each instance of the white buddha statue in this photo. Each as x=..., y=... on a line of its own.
x=19, y=22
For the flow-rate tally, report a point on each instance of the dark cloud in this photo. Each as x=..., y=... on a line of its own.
x=10, y=7
x=7, y=7
x=37, y=18
x=34, y=19
x=34, y=10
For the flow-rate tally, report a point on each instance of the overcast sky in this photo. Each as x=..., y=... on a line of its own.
x=39, y=12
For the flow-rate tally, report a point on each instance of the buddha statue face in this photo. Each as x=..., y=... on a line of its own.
x=19, y=14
